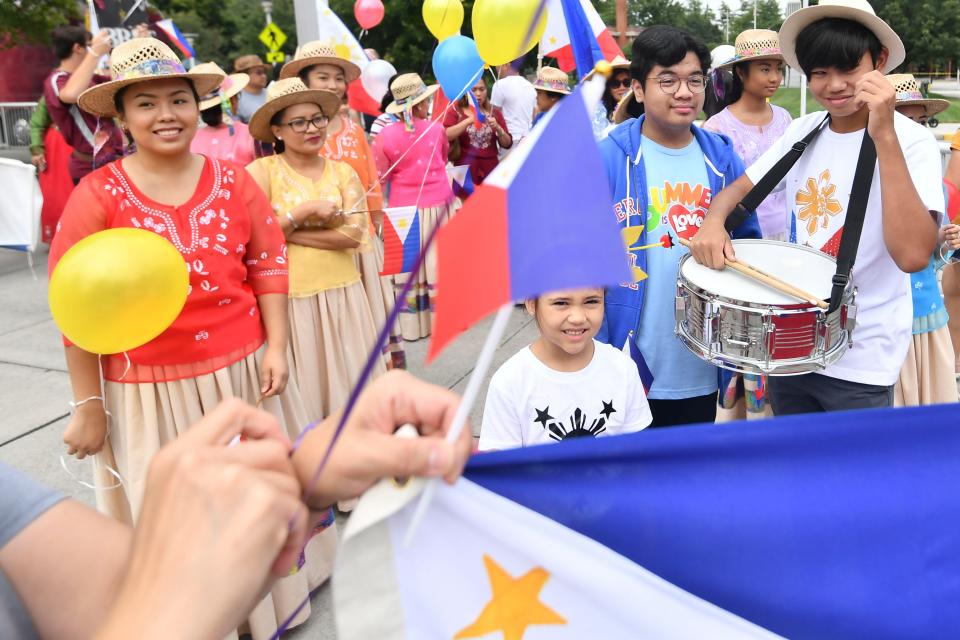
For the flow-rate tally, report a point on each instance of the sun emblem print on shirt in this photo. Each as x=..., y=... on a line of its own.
x=816, y=203
x=576, y=424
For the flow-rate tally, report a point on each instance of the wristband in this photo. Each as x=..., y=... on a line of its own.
x=76, y=405
x=293, y=221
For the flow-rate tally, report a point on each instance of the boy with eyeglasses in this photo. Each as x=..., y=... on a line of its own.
x=663, y=172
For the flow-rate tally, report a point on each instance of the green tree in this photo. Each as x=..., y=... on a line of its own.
x=32, y=20
x=698, y=19
x=768, y=16
x=930, y=30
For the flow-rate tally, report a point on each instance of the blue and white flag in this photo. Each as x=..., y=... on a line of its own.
x=842, y=525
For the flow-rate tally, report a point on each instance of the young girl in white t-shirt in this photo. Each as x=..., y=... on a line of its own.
x=565, y=384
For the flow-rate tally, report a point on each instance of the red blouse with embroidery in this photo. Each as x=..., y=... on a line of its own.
x=234, y=250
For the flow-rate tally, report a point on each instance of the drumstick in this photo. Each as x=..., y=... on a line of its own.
x=767, y=279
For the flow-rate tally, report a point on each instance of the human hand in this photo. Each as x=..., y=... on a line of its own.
x=39, y=160
x=142, y=30
x=950, y=237
x=367, y=449
x=101, y=43
x=218, y=523
x=711, y=245
x=87, y=430
x=274, y=372
x=876, y=93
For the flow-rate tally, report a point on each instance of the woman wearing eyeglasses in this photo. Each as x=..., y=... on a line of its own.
x=331, y=326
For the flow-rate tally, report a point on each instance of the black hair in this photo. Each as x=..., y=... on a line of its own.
x=212, y=116
x=388, y=96
x=835, y=42
x=719, y=86
x=665, y=46
x=118, y=96
x=608, y=102
x=275, y=121
x=64, y=39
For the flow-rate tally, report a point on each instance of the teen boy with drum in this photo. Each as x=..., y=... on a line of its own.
x=844, y=48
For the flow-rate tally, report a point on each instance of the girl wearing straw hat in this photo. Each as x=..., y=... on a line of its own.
x=320, y=206
x=319, y=67
x=411, y=156
x=224, y=137
x=552, y=86
x=752, y=123
x=230, y=339
x=927, y=375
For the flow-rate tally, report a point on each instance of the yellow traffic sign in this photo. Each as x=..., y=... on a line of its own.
x=275, y=56
x=273, y=37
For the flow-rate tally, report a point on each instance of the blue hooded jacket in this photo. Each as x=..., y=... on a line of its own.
x=628, y=181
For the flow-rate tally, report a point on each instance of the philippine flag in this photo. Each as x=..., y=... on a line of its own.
x=540, y=222
x=401, y=240
x=461, y=181
x=335, y=33
x=571, y=25
x=838, y=525
x=170, y=30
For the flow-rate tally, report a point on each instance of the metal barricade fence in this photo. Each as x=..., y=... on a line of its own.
x=15, y=124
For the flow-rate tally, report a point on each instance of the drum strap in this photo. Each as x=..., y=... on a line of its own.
x=853, y=224
x=771, y=179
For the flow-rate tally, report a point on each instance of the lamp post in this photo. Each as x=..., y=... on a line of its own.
x=754, y=14
x=267, y=6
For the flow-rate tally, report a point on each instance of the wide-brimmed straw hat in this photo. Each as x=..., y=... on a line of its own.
x=250, y=61
x=908, y=92
x=856, y=10
x=618, y=62
x=407, y=90
x=232, y=84
x=622, y=111
x=754, y=44
x=319, y=52
x=285, y=93
x=141, y=60
x=552, y=80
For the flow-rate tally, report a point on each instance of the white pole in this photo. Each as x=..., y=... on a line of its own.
x=754, y=14
x=803, y=79
x=463, y=411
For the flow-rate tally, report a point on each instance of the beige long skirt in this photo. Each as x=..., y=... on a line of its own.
x=331, y=336
x=416, y=312
x=147, y=416
x=379, y=290
x=927, y=375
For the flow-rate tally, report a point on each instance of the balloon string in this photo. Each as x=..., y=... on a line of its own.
x=83, y=483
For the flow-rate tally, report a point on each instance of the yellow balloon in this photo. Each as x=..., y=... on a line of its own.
x=443, y=17
x=118, y=289
x=500, y=26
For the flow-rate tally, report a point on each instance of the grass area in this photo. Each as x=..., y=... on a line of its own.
x=789, y=99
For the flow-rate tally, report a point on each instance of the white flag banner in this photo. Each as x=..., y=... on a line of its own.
x=336, y=34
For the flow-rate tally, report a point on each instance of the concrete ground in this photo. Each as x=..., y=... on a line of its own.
x=35, y=389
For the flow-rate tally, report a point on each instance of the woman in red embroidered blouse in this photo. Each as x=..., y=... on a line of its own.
x=230, y=339
x=480, y=143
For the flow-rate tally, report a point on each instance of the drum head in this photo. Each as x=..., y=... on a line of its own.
x=803, y=267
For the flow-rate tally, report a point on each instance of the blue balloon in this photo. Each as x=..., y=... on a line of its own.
x=457, y=66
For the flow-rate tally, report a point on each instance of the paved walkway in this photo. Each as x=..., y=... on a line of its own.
x=35, y=388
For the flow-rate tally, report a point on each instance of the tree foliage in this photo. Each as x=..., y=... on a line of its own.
x=769, y=16
x=31, y=21
x=930, y=30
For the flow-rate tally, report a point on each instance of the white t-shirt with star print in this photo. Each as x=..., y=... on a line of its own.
x=817, y=194
x=529, y=403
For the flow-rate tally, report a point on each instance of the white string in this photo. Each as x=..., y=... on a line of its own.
x=95, y=459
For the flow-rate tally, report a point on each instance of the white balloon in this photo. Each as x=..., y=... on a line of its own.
x=376, y=78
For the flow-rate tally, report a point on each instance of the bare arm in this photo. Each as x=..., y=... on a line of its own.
x=274, y=371
x=712, y=243
x=67, y=580
x=322, y=239
x=87, y=429
x=79, y=80
x=455, y=131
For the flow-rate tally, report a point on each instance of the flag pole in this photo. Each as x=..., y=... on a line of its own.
x=463, y=411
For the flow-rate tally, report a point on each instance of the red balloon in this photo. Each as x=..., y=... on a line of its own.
x=368, y=13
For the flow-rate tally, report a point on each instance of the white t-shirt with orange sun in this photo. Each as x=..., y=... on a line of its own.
x=817, y=195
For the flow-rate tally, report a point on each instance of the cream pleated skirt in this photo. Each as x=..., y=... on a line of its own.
x=927, y=375
x=379, y=290
x=148, y=415
x=331, y=336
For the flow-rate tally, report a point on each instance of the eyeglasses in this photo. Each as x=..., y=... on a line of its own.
x=669, y=83
x=300, y=125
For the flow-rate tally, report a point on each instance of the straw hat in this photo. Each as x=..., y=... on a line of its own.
x=408, y=90
x=251, y=61
x=141, y=60
x=618, y=62
x=284, y=93
x=317, y=52
x=754, y=44
x=232, y=84
x=621, y=113
x=856, y=10
x=908, y=92
x=552, y=80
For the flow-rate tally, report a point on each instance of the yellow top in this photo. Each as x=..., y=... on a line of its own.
x=314, y=270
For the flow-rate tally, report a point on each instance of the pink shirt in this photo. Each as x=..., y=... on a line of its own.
x=428, y=156
x=216, y=142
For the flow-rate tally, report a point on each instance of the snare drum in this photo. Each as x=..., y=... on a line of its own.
x=734, y=322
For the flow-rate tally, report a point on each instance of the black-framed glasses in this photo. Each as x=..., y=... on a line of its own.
x=670, y=83
x=300, y=125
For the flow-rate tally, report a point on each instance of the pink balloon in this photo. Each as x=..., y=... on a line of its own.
x=368, y=13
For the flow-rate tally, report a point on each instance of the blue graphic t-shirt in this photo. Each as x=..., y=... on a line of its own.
x=679, y=196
